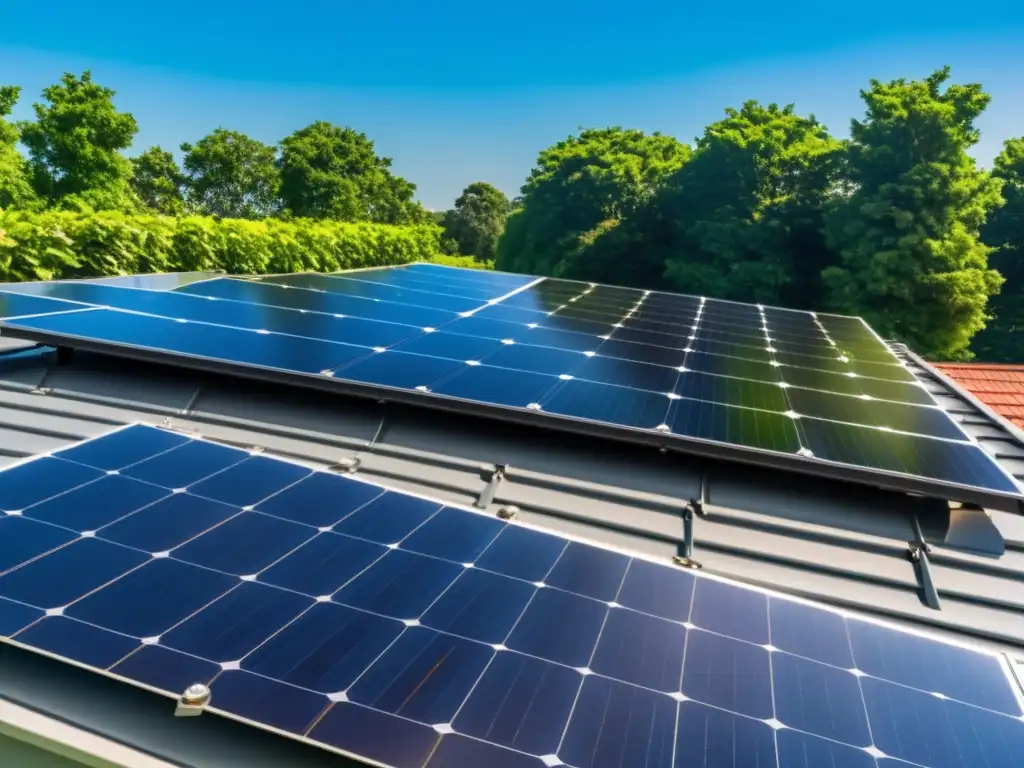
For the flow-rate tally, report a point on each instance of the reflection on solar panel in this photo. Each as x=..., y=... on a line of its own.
x=411, y=634
x=820, y=392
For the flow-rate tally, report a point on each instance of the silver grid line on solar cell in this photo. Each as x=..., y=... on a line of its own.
x=444, y=728
x=805, y=460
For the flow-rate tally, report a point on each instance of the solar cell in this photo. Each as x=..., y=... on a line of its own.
x=410, y=633
x=818, y=393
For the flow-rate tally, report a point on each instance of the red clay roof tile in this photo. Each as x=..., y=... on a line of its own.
x=1001, y=387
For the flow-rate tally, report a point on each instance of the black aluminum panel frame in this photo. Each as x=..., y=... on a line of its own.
x=886, y=480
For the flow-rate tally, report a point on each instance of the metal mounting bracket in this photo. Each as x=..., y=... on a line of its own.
x=491, y=489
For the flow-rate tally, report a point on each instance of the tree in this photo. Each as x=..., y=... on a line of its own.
x=231, y=175
x=582, y=189
x=477, y=220
x=329, y=172
x=158, y=181
x=1002, y=341
x=75, y=145
x=911, y=259
x=743, y=218
x=15, y=189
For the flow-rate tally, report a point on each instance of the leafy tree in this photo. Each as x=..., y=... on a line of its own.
x=581, y=189
x=477, y=220
x=15, y=189
x=231, y=175
x=158, y=181
x=75, y=145
x=1003, y=339
x=743, y=218
x=329, y=172
x=911, y=259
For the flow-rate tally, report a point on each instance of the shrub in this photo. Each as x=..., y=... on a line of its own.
x=66, y=244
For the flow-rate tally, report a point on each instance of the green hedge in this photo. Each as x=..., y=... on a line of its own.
x=64, y=244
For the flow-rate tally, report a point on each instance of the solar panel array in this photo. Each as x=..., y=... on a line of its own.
x=409, y=633
x=817, y=391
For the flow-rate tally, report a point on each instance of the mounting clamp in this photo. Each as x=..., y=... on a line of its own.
x=491, y=489
x=687, y=562
x=193, y=701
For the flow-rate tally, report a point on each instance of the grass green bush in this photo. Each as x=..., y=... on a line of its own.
x=52, y=245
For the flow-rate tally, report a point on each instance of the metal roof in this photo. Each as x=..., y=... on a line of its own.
x=843, y=544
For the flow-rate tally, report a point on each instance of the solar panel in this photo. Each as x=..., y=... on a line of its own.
x=409, y=633
x=813, y=392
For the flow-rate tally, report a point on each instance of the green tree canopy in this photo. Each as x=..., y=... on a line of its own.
x=911, y=259
x=75, y=145
x=329, y=172
x=743, y=218
x=1002, y=340
x=158, y=181
x=581, y=189
x=231, y=175
x=15, y=189
x=477, y=220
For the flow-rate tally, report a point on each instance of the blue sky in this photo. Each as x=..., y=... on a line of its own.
x=463, y=91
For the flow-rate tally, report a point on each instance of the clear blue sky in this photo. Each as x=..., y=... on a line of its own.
x=463, y=91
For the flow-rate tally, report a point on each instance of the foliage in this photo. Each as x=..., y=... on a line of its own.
x=75, y=146
x=15, y=187
x=66, y=244
x=743, y=218
x=911, y=259
x=477, y=220
x=329, y=172
x=579, y=185
x=231, y=175
x=158, y=182
x=1002, y=340
x=465, y=262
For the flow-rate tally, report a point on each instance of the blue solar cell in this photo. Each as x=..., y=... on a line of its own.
x=80, y=642
x=458, y=750
x=34, y=481
x=323, y=564
x=424, y=676
x=481, y=606
x=449, y=345
x=553, y=362
x=454, y=534
x=164, y=669
x=928, y=665
x=713, y=738
x=801, y=750
x=560, y=627
x=628, y=373
x=522, y=553
x=395, y=369
x=237, y=622
x=819, y=699
x=96, y=504
x=641, y=649
x=589, y=571
x=499, y=386
x=168, y=523
x=644, y=732
x=16, y=616
x=320, y=499
x=266, y=701
x=152, y=599
x=728, y=674
x=521, y=703
x=921, y=728
x=400, y=584
x=602, y=402
x=120, y=449
x=389, y=518
x=350, y=285
x=810, y=632
x=249, y=481
x=21, y=540
x=378, y=736
x=730, y=610
x=325, y=649
x=186, y=464
x=246, y=544
x=657, y=590
x=68, y=573
x=15, y=305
